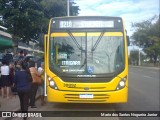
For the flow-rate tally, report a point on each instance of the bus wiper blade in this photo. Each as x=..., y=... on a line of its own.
x=85, y=62
x=75, y=41
x=97, y=42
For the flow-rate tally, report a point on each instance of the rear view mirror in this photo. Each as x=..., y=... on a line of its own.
x=128, y=41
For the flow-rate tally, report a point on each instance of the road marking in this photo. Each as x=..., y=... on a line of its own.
x=147, y=76
x=152, y=71
x=156, y=68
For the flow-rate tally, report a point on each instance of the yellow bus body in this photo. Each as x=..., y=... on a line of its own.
x=104, y=92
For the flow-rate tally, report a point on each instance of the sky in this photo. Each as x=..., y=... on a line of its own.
x=130, y=10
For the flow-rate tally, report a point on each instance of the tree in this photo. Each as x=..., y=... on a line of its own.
x=147, y=35
x=133, y=58
x=27, y=19
x=57, y=8
x=22, y=18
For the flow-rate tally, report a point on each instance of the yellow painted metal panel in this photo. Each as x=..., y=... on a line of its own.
x=106, y=95
x=88, y=34
x=98, y=97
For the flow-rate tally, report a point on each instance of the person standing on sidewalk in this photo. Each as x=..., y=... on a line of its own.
x=35, y=83
x=41, y=86
x=22, y=81
x=4, y=81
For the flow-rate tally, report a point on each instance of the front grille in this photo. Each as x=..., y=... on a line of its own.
x=90, y=88
x=96, y=98
x=88, y=101
x=86, y=80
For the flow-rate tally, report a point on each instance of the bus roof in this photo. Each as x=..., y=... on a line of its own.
x=87, y=17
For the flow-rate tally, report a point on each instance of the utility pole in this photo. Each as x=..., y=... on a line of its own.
x=67, y=7
x=139, y=56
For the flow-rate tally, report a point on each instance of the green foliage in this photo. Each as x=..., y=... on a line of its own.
x=28, y=19
x=147, y=35
x=133, y=58
x=57, y=8
x=22, y=18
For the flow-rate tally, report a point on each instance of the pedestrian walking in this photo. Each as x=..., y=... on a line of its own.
x=41, y=86
x=36, y=81
x=23, y=82
x=4, y=81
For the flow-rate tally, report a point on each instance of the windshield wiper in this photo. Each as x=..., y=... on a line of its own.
x=85, y=51
x=75, y=41
x=97, y=42
x=79, y=47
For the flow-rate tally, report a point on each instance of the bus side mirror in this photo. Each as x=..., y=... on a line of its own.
x=45, y=42
x=128, y=41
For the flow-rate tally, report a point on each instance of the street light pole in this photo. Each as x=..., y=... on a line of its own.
x=67, y=7
x=139, y=56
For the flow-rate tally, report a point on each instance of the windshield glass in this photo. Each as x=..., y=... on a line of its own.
x=87, y=52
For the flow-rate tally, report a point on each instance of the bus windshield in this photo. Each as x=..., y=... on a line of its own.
x=86, y=52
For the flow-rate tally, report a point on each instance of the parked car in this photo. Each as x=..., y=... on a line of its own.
x=28, y=58
x=1, y=57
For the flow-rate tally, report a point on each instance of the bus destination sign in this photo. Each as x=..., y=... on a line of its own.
x=86, y=24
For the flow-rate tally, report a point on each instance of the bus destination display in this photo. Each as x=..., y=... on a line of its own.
x=86, y=24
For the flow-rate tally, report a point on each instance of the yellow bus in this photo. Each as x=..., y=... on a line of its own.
x=86, y=60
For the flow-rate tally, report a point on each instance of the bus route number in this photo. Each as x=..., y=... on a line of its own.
x=69, y=85
x=65, y=24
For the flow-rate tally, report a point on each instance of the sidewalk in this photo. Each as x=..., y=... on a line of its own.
x=11, y=104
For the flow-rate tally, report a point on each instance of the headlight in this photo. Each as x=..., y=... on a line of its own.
x=121, y=83
x=52, y=83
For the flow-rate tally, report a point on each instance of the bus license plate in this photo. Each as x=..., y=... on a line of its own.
x=86, y=96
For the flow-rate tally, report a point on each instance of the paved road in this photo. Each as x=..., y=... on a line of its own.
x=143, y=96
x=144, y=90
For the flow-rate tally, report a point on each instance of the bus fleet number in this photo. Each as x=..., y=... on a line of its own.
x=65, y=24
x=69, y=85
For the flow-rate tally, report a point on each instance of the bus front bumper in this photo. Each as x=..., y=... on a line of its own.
x=119, y=96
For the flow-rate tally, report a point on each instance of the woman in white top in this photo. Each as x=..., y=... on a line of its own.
x=4, y=81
